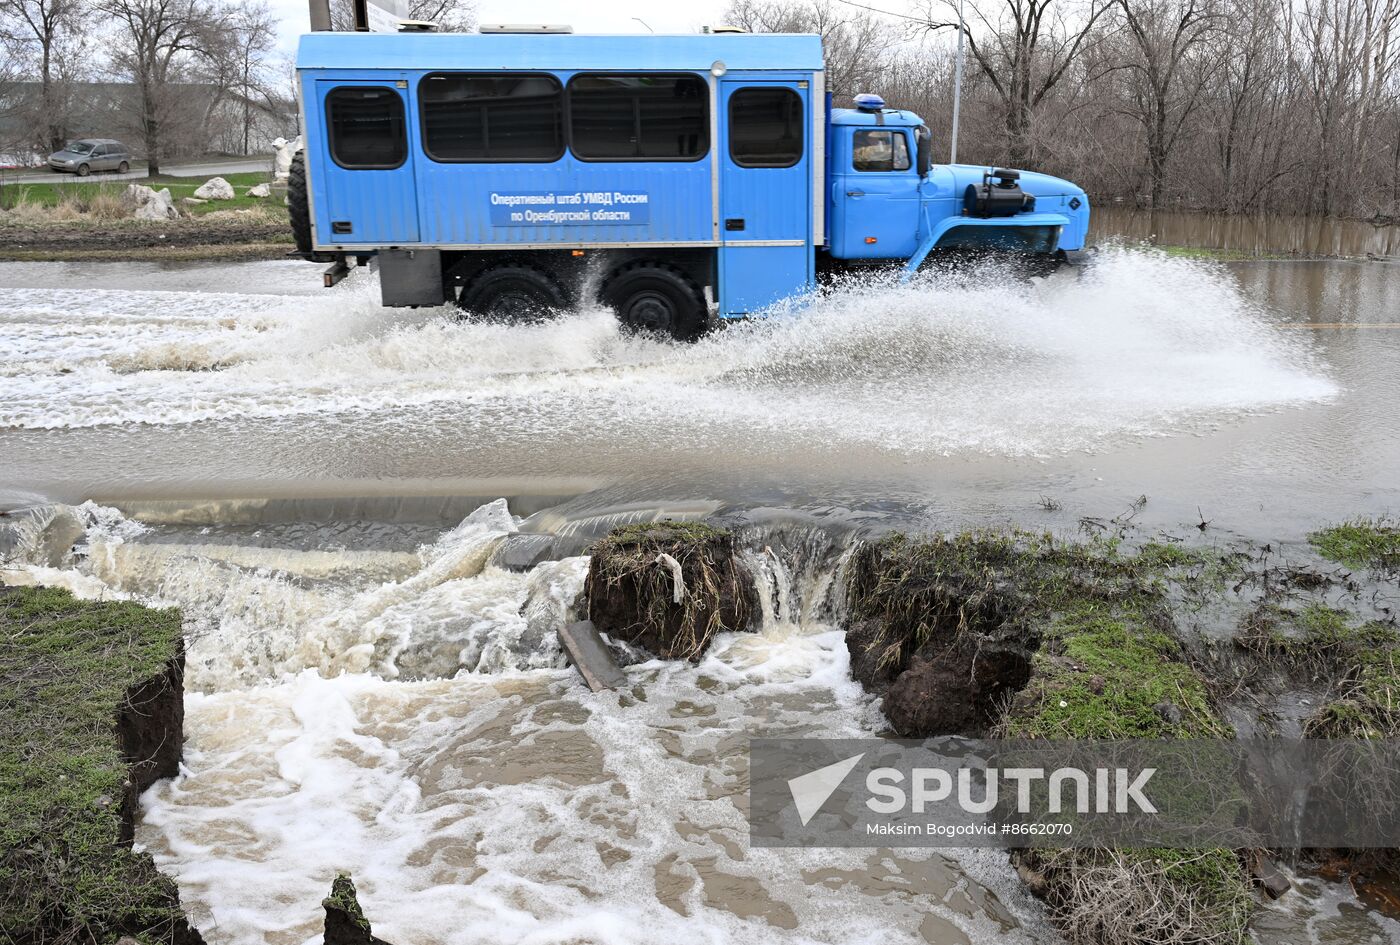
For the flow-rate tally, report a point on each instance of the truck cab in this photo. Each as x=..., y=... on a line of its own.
x=683, y=179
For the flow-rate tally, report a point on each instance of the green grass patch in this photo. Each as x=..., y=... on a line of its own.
x=65, y=668
x=94, y=191
x=1216, y=255
x=346, y=901
x=1372, y=543
x=1369, y=706
x=1101, y=676
x=1106, y=665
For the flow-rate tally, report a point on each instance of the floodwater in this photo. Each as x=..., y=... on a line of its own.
x=1265, y=234
x=374, y=684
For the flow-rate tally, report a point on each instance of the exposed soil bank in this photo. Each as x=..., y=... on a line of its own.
x=93, y=700
x=668, y=587
x=1027, y=636
x=190, y=239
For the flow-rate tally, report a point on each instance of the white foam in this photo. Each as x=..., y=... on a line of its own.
x=1143, y=344
x=506, y=803
x=257, y=614
x=522, y=808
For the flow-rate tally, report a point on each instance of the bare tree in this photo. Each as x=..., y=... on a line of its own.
x=857, y=43
x=1164, y=37
x=1247, y=108
x=235, y=64
x=157, y=43
x=1352, y=51
x=451, y=16
x=1026, y=48
x=51, y=34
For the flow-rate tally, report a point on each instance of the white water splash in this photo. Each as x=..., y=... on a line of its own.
x=1141, y=345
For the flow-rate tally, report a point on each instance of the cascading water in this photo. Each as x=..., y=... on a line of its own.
x=389, y=698
x=415, y=723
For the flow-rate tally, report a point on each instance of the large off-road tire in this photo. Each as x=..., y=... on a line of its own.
x=656, y=299
x=512, y=293
x=298, y=207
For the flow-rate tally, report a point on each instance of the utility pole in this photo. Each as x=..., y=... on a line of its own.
x=320, y=16
x=957, y=85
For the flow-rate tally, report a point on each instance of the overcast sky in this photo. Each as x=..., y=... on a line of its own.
x=592, y=16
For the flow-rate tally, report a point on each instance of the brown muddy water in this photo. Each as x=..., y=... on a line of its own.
x=375, y=685
x=1265, y=234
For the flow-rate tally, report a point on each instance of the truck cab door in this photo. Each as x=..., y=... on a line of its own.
x=765, y=192
x=362, y=180
x=875, y=193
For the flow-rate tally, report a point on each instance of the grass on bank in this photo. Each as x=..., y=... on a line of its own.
x=103, y=200
x=65, y=667
x=1362, y=543
x=1219, y=255
x=1105, y=666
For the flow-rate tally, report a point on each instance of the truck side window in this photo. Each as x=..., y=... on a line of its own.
x=470, y=117
x=765, y=127
x=881, y=151
x=659, y=117
x=366, y=127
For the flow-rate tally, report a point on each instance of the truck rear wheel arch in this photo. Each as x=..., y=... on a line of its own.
x=656, y=298
x=512, y=292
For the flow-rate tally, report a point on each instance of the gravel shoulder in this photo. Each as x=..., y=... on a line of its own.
x=189, y=239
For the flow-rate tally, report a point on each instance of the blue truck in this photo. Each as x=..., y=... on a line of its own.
x=682, y=179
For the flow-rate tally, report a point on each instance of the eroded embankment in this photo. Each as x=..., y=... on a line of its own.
x=434, y=680
x=93, y=702
x=1031, y=637
x=1027, y=636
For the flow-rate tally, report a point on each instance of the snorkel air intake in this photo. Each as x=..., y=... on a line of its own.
x=1001, y=199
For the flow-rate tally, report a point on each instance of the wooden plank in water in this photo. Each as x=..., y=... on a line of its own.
x=1268, y=875
x=590, y=655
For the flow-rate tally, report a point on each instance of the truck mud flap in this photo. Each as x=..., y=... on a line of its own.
x=410, y=277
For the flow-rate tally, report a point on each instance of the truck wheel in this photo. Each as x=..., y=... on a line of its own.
x=298, y=209
x=512, y=293
x=656, y=299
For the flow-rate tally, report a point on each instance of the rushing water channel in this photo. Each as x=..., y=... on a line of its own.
x=375, y=685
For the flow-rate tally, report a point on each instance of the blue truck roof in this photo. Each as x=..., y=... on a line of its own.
x=520, y=51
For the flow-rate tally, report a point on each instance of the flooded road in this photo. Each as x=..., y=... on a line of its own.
x=1251, y=234
x=374, y=682
x=1190, y=383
